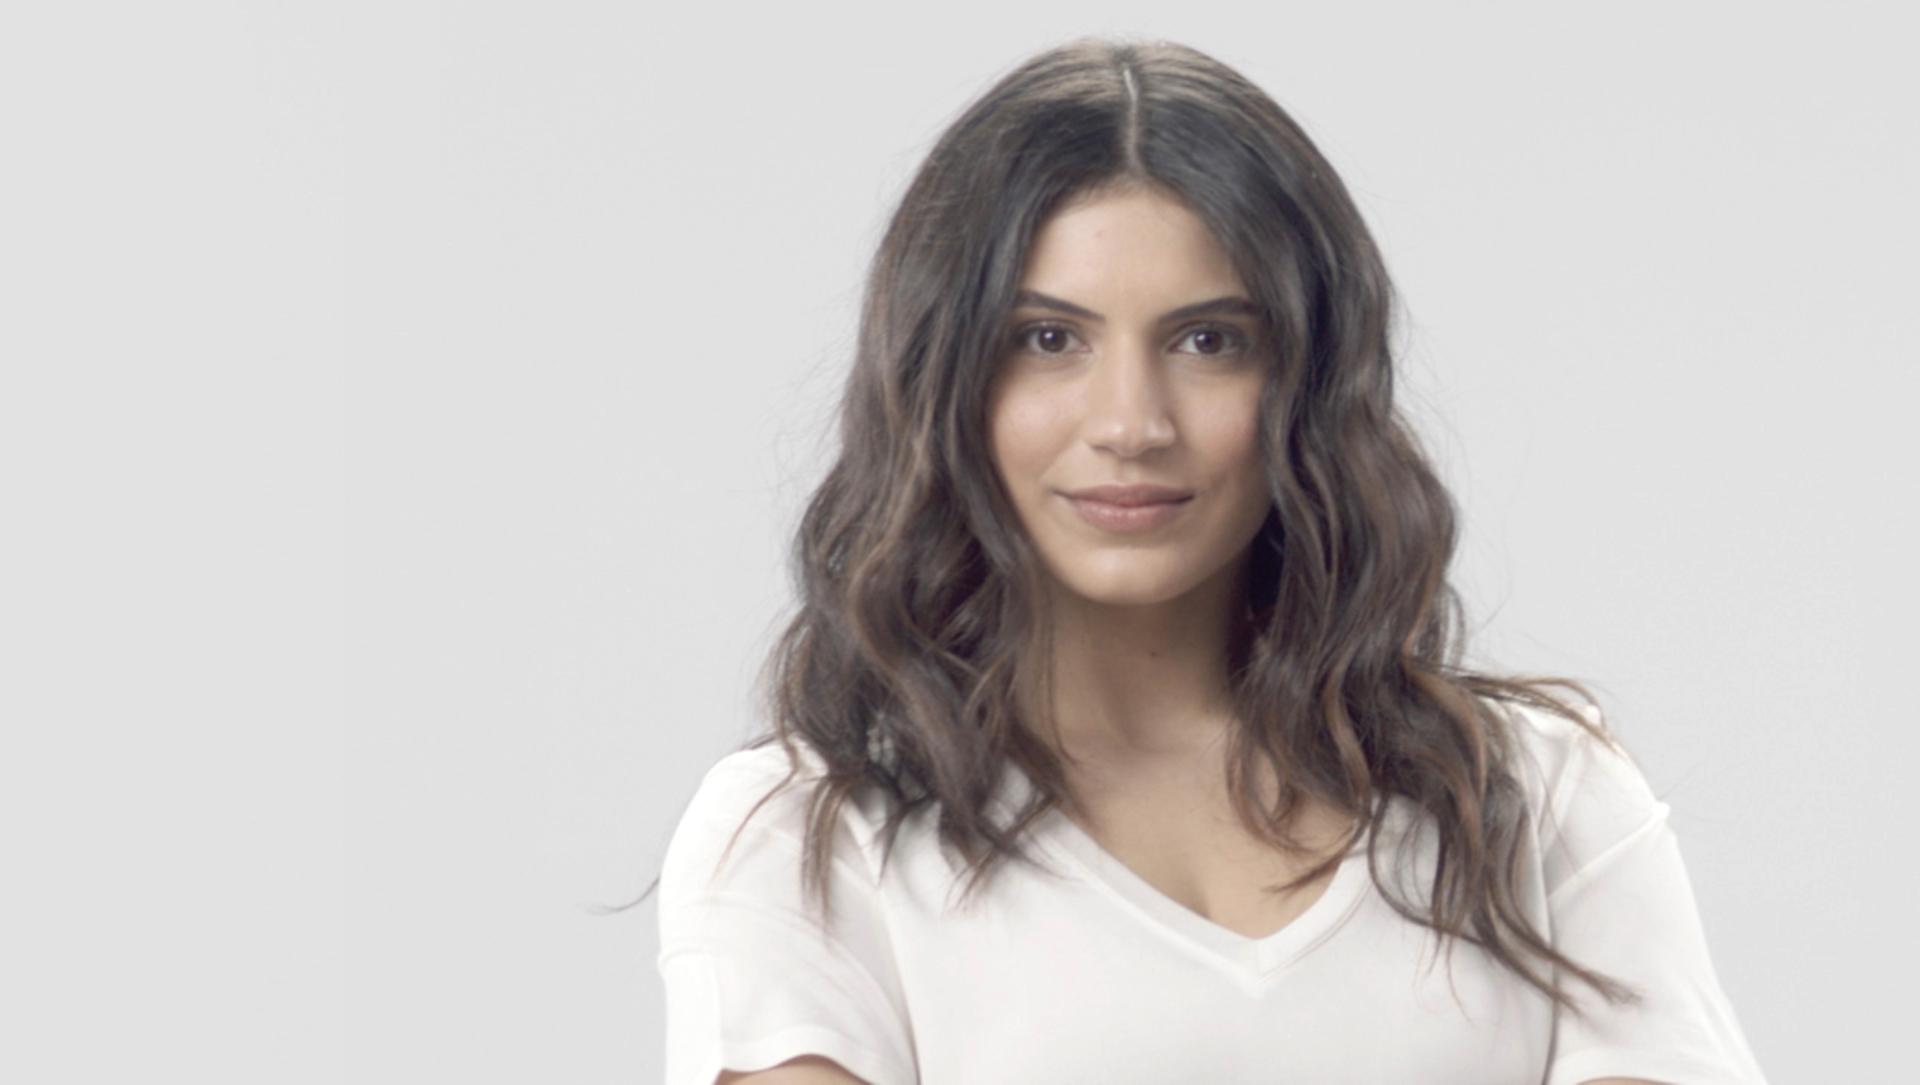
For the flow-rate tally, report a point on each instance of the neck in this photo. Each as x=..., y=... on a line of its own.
x=1146, y=680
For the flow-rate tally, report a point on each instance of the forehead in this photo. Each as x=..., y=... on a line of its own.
x=1128, y=243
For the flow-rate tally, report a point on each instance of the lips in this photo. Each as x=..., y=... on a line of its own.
x=1131, y=496
x=1129, y=519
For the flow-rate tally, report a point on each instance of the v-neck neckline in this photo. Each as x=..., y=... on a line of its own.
x=1256, y=964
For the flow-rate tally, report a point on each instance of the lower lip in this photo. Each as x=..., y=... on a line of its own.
x=1109, y=517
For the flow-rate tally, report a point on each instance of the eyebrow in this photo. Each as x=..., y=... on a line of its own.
x=1231, y=304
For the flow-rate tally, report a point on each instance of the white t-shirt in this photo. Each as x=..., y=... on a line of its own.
x=1096, y=976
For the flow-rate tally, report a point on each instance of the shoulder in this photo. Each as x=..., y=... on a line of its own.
x=755, y=971
x=747, y=822
x=1555, y=752
x=735, y=784
x=1586, y=791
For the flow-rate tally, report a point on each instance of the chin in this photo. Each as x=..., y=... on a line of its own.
x=1126, y=591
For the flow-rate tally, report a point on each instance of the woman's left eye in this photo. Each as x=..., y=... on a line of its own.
x=1230, y=340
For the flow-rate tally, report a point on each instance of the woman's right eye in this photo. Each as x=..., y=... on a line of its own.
x=1044, y=338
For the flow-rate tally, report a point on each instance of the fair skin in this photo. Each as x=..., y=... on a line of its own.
x=1122, y=392
x=1111, y=376
x=1116, y=389
x=803, y=1070
x=815, y=1070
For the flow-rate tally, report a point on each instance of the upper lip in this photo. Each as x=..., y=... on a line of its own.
x=1131, y=495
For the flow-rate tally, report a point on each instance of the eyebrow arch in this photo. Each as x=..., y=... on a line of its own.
x=1212, y=306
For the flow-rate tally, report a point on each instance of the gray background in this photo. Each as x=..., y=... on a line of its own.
x=405, y=409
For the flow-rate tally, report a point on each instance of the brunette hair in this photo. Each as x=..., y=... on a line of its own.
x=920, y=608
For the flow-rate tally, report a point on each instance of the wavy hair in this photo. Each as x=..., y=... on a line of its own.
x=921, y=612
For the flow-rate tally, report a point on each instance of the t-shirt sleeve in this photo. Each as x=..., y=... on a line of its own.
x=1619, y=902
x=753, y=976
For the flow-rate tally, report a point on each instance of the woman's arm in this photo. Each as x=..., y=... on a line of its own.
x=808, y=1070
x=814, y=1070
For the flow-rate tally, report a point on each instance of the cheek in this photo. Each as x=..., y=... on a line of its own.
x=1233, y=438
x=1021, y=429
x=1242, y=471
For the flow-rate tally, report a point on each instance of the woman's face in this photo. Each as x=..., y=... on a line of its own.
x=1124, y=388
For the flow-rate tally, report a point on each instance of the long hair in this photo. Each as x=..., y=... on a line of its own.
x=921, y=615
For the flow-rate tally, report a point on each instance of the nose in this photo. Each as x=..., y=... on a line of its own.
x=1127, y=403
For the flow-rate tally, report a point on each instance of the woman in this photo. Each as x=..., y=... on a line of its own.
x=1120, y=735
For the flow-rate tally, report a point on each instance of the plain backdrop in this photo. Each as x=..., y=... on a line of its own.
x=406, y=408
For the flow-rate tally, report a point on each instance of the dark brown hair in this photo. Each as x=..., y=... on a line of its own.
x=921, y=612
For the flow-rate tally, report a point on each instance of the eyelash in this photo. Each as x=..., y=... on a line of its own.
x=1236, y=340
